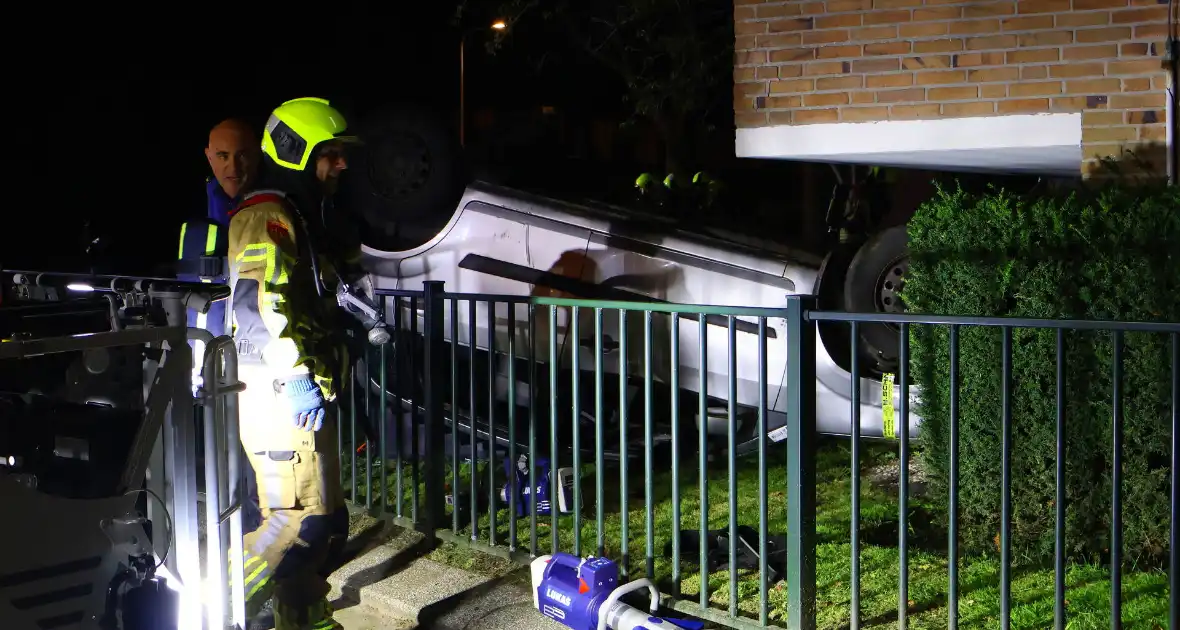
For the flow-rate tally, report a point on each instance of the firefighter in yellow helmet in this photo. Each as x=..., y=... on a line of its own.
x=291, y=361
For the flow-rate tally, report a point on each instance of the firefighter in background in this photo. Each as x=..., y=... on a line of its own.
x=291, y=360
x=234, y=156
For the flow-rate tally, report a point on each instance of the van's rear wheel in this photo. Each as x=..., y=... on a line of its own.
x=874, y=283
x=406, y=179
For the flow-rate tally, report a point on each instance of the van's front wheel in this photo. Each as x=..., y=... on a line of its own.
x=876, y=277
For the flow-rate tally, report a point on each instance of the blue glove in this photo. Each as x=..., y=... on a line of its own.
x=307, y=403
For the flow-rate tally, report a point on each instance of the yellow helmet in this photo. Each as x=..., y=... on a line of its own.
x=297, y=126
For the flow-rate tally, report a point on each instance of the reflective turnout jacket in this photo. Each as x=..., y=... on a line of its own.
x=280, y=320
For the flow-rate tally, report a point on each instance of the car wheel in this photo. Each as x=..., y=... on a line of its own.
x=406, y=179
x=874, y=283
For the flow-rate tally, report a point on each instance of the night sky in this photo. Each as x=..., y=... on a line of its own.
x=113, y=130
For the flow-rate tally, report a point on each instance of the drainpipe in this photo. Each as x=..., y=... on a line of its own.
x=1173, y=52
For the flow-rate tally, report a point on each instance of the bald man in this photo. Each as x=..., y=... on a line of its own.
x=234, y=153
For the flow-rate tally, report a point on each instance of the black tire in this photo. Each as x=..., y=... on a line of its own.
x=406, y=179
x=875, y=277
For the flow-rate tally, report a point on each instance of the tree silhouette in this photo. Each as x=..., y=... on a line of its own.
x=673, y=57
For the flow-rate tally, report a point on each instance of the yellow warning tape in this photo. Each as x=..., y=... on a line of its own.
x=888, y=423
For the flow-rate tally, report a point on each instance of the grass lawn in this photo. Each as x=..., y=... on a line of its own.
x=1145, y=594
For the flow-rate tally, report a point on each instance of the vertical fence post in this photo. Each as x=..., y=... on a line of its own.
x=434, y=366
x=800, y=464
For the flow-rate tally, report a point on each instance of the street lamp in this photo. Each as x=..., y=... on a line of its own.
x=498, y=25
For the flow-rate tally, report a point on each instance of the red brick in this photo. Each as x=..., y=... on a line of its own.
x=1094, y=118
x=780, y=40
x=839, y=83
x=825, y=100
x=901, y=96
x=749, y=28
x=864, y=97
x=838, y=21
x=1045, y=38
x=1133, y=16
x=937, y=13
x=992, y=75
x=1075, y=70
x=964, y=93
x=779, y=10
x=1094, y=35
x=749, y=57
x=991, y=43
x=1154, y=133
x=868, y=66
x=745, y=75
x=979, y=59
x=1023, y=105
x=1028, y=23
x=780, y=118
x=1094, y=5
x=887, y=48
x=1038, y=55
x=783, y=102
x=938, y=45
x=968, y=109
x=989, y=9
x=923, y=29
x=864, y=113
x=896, y=4
x=889, y=80
x=975, y=27
x=1144, y=66
x=813, y=8
x=840, y=6
x=745, y=42
x=1138, y=101
x=1042, y=6
x=874, y=32
x=915, y=111
x=789, y=26
x=926, y=62
x=1136, y=49
x=1146, y=118
x=1141, y=84
x=812, y=38
x=1039, y=88
x=1093, y=86
x=794, y=86
x=1075, y=53
x=993, y=90
x=837, y=52
x=1071, y=104
x=1109, y=134
x=1074, y=20
x=741, y=14
x=787, y=55
x=940, y=77
x=804, y=116
x=790, y=72
x=750, y=119
x=745, y=90
x=823, y=67
x=887, y=17
x=1150, y=31
x=1033, y=73
x=765, y=72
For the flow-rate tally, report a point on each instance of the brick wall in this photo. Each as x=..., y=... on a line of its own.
x=824, y=61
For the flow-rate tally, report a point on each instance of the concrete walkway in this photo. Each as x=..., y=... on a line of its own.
x=388, y=584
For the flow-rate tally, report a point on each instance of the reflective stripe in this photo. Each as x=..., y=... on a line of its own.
x=266, y=253
x=210, y=240
x=257, y=574
x=183, y=230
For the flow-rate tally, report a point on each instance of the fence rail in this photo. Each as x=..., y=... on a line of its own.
x=469, y=379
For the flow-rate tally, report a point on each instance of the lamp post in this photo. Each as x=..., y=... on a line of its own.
x=498, y=25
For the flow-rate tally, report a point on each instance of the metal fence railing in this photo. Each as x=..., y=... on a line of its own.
x=593, y=399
